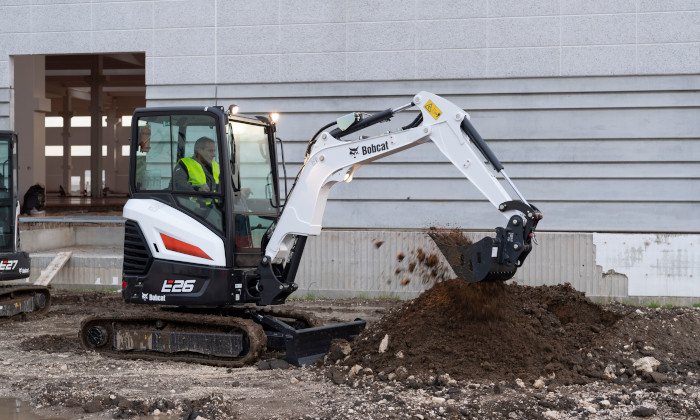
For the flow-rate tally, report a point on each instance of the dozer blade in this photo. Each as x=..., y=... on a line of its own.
x=304, y=346
x=311, y=344
x=474, y=262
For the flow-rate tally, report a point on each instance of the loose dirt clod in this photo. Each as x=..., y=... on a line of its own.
x=429, y=266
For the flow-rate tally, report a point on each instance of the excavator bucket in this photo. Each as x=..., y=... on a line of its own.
x=474, y=262
x=492, y=258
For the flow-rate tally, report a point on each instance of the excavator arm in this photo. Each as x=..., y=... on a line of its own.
x=331, y=159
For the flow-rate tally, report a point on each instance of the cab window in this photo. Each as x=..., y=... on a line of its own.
x=179, y=154
x=255, y=196
x=253, y=176
x=7, y=204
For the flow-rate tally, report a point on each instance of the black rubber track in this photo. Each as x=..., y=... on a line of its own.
x=10, y=294
x=253, y=333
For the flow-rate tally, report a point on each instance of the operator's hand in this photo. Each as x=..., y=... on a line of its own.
x=204, y=188
x=241, y=196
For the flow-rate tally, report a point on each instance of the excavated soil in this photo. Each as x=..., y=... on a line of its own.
x=498, y=331
x=488, y=332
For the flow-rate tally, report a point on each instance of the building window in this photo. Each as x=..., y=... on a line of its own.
x=82, y=121
x=53, y=151
x=79, y=150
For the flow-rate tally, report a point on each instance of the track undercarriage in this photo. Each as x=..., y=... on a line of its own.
x=230, y=337
x=21, y=300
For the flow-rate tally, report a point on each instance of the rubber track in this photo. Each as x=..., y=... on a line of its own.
x=254, y=332
x=14, y=293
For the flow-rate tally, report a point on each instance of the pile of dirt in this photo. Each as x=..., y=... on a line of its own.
x=487, y=331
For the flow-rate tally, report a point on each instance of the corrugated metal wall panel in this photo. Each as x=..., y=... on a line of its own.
x=594, y=154
x=341, y=263
x=353, y=263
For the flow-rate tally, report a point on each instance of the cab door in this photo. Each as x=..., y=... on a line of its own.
x=255, y=186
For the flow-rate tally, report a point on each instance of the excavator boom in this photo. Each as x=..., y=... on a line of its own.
x=331, y=159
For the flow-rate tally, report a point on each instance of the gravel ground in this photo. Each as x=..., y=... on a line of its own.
x=43, y=364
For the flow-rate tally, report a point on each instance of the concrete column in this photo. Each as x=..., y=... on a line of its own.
x=112, y=141
x=30, y=106
x=67, y=114
x=96, y=81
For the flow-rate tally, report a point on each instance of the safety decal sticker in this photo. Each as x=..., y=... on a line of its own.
x=433, y=109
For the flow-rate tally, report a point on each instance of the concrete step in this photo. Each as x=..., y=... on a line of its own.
x=38, y=234
x=97, y=267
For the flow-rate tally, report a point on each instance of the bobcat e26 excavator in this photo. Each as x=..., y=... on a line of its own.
x=236, y=250
x=15, y=299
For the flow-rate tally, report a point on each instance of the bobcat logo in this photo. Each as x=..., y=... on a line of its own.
x=353, y=152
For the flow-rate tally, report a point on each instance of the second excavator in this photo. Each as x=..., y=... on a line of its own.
x=16, y=299
x=231, y=249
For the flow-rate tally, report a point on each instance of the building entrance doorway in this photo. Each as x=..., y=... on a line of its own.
x=72, y=115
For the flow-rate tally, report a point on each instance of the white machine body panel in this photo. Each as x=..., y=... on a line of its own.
x=156, y=218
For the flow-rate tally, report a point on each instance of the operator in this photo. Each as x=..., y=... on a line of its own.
x=199, y=172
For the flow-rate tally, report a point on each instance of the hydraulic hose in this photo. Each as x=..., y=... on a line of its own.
x=313, y=138
x=415, y=123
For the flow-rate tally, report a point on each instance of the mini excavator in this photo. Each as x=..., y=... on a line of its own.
x=15, y=299
x=222, y=257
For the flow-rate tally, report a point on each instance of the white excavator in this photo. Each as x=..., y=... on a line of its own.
x=218, y=257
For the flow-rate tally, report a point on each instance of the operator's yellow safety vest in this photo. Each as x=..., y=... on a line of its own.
x=196, y=171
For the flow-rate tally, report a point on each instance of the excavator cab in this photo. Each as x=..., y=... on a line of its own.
x=219, y=224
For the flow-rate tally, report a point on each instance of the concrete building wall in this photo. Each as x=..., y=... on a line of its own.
x=593, y=106
x=216, y=42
